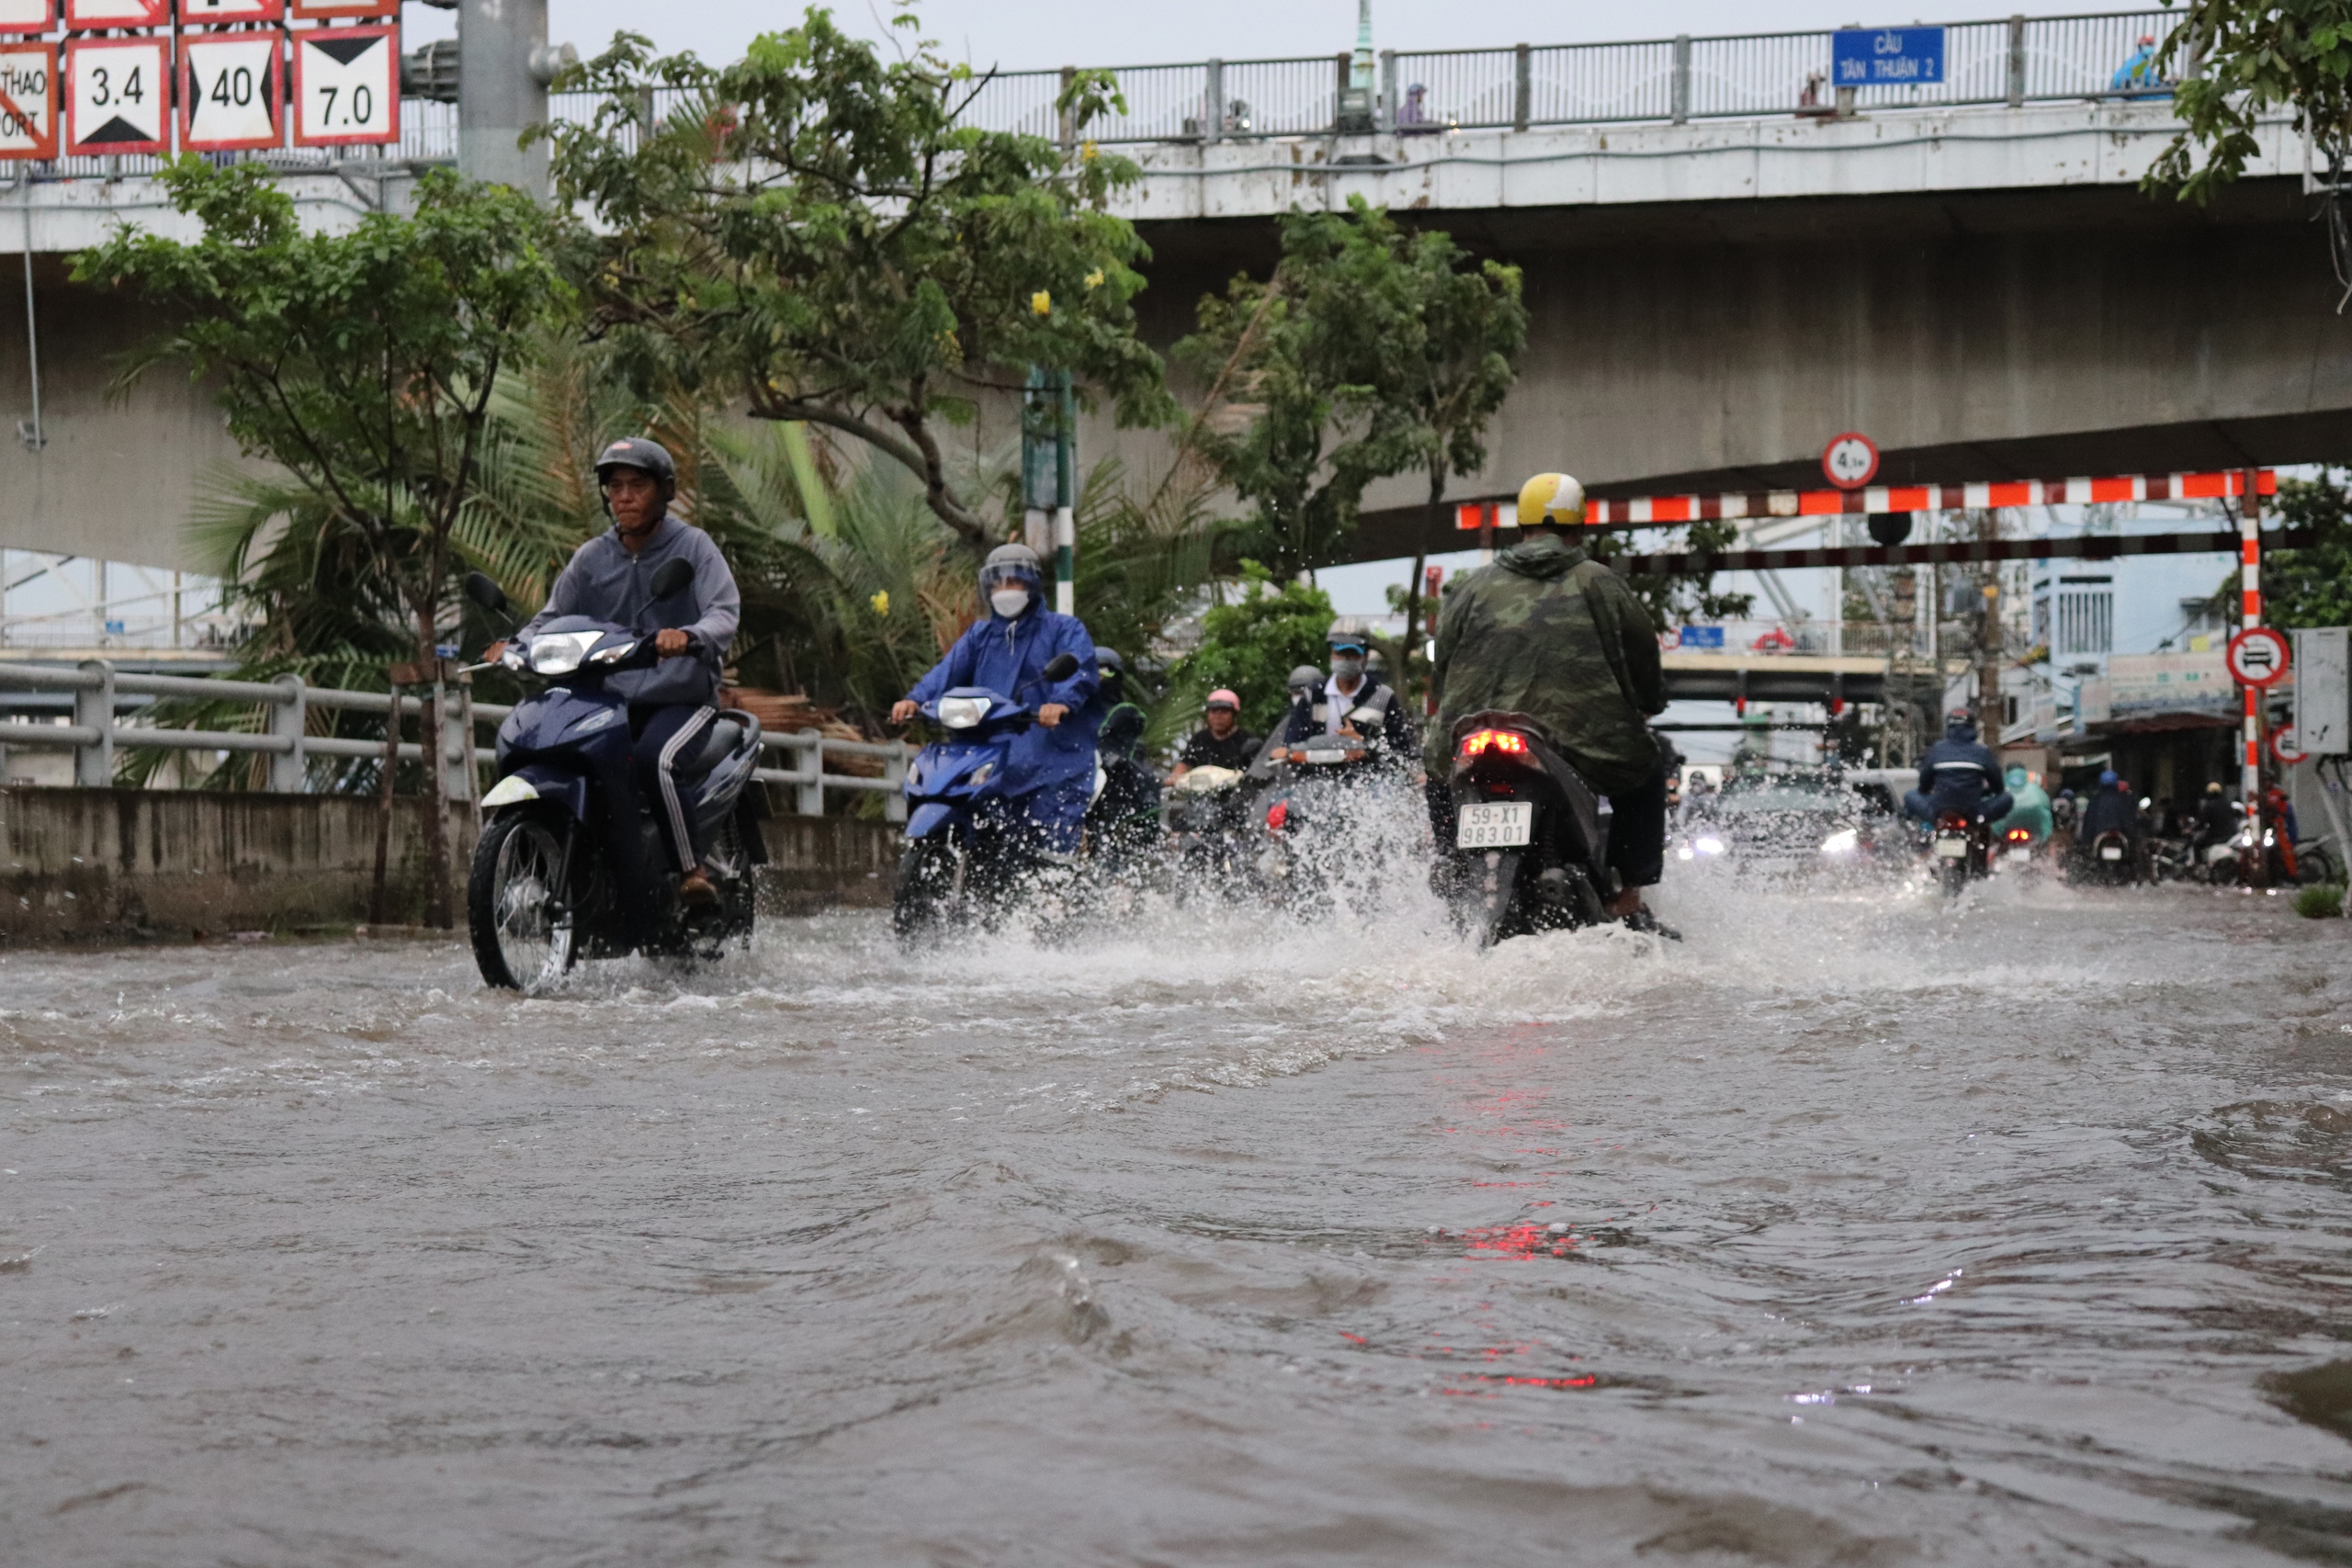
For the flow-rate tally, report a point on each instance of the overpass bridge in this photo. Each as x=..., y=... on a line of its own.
x=1724, y=262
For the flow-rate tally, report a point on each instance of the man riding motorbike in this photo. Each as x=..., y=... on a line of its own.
x=2029, y=809
x=1051, y=764
x=1959, y=775
x=2110, y=808
x=1549, y=632
x=1330, y=709
x=609, y=579
x=1220, y=743
x=2216, y=823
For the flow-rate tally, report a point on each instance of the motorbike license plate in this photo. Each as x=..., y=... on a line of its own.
x=1951, y=848
x=1495, y=825
x=2020, y=853
x=2110, y=851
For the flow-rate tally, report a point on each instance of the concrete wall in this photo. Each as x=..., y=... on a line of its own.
x=120, y=864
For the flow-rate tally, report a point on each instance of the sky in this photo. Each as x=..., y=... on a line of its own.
x=1021, y=34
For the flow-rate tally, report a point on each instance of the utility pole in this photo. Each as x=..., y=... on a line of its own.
x=2256, y=862
x=504, y=69
x=1048, y=477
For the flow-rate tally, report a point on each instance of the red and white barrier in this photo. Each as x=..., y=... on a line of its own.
x=1875, y=500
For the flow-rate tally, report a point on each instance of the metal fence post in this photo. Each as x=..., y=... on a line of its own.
x=94, y=709
x=1388, y=99
x=1212, y=101
x=894, y=772
x=1068, y=126
x=812, y=772
x=1680, y=94
x=1522, y=88
x=458, y=741
x=290, y=722
x=2017, y=62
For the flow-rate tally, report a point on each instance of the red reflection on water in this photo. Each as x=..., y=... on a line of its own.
x=1518, y=1241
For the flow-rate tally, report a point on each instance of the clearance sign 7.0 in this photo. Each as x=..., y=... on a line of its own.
x=230, y=76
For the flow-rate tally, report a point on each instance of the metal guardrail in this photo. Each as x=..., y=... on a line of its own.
x=98, y=690
x=2013, y=60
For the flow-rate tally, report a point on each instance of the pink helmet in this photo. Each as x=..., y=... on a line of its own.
x=1221, y=698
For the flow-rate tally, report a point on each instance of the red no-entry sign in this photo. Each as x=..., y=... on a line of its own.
x=2257, y=657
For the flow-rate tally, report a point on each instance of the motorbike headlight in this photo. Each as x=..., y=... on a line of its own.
x=982, y=774
x=962, y=713
x=559, y=653
x=1845, y=840
x=614, y=654
x=1708, y=846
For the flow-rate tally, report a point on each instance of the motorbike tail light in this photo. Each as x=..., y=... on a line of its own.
x=1480, y=741
x=2019, y=835
x=1277, y=814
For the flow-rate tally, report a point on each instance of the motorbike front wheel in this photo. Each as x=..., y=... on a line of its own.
x=515, y=908
x=927, y=887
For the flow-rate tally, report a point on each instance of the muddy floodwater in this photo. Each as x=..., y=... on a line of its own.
x=1855, y=1229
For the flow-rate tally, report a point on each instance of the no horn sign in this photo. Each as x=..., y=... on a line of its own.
x=2257, y=657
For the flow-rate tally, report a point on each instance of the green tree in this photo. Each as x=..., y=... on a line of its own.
x=2254, y=56
x=362, y=364
x=817, y=235
x=2312, y=586
x=1312, y=375
x=1251, y=646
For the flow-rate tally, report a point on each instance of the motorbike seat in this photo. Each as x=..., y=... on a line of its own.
x=719, y=742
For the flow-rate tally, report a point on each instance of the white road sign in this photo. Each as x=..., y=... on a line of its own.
x=346, y=86
x=229, y=86
x=80, y=13
x=2324, y=689
x=117, y=95
x=26, y=16
x=2257, y=657
x=218, y=13
x=28, y=101
x=1850, y=460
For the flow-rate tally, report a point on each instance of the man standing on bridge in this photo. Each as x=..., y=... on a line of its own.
x=1549, y=632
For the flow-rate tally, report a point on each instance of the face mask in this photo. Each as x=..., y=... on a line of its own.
x=1347, y=669
x=1009, y=601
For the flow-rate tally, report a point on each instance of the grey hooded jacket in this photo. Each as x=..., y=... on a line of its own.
x=604, y=581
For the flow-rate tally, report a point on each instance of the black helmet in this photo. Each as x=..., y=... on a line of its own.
x=635, y=452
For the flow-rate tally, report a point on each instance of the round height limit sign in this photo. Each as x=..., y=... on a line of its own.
x=346, y=86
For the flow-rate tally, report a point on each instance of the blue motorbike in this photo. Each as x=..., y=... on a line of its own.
x=966, y=852
x=572, y=861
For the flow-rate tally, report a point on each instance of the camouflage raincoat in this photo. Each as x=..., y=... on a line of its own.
x=1549, y=632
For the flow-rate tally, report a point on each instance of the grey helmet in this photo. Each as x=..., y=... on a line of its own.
x=1011, y=563
x=1350, y=631
x=1306, y=677
x=636, y=452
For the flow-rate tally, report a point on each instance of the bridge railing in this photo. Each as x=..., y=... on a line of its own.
x=101, y=694
x=2012, y=61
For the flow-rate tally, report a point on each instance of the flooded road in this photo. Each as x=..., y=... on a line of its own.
x=1853, y=1230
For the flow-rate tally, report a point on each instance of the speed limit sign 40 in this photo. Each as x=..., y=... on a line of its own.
x=2257, y=657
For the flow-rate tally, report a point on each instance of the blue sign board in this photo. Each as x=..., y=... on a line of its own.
x=1702, y=636
x=1886, y=57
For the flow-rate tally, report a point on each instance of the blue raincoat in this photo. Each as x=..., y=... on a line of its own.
x=1050, y=771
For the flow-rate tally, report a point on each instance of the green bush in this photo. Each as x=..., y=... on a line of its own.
x=2319, y=901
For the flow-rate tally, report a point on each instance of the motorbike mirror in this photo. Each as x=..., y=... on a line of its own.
x=1364, y=715
x=1061, y=667
x=670, y=578
x=485, y=593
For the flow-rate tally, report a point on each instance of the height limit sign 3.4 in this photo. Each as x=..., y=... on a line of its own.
x=346, y=86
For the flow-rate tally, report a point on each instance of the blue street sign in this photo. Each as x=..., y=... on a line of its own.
x=1702, y=636
x=1886, y=57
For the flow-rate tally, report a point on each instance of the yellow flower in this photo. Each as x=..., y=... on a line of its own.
x=881, y=602
x=1041, y=303
x=1094, y=278
x=1088, y=153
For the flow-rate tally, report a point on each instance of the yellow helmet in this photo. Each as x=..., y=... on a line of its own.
x=1551, y=498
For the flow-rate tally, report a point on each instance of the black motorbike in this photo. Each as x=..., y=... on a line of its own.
x=2108, y=860
x=1962, y=843
x=571, y=862
x=1530, y=836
